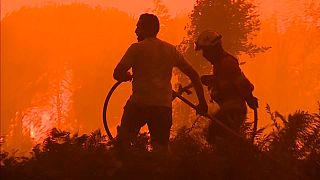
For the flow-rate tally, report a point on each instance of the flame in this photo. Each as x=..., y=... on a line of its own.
x=49, y=110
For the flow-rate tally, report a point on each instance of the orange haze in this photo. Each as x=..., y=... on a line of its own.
x=57, y=60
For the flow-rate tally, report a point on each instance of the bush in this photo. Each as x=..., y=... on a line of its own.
x=290, y=151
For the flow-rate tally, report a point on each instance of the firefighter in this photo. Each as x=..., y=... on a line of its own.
x=228, y=85
x=152, y=61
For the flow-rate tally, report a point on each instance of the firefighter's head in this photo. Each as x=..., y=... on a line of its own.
x=210, y=44
x=147, y=26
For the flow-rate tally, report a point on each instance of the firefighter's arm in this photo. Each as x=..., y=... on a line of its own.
x=194, y=77
x=121, y=73
x=241, y=82
x=187, y=69
x=245, y=87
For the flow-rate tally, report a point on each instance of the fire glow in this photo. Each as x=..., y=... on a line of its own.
x=50, y=110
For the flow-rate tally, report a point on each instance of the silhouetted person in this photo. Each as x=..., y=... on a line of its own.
x=228, y=85
x=152, y=61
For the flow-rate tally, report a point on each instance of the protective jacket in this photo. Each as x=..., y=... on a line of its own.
x=228, y=83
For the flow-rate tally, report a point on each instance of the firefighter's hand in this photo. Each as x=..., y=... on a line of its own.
x=207, y=80
x=202, y=108
x=252, y=102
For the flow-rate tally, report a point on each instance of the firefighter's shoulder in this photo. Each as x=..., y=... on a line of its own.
x=230, y=62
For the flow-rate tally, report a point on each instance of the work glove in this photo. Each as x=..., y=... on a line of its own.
x=252, y=102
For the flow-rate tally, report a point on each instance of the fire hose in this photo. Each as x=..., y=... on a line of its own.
x=105, y=107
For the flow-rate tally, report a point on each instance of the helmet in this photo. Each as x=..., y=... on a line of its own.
x=207, y=38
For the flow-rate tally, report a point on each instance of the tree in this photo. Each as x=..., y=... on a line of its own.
x=236, y=20
x=313, y=12
x=161, y=11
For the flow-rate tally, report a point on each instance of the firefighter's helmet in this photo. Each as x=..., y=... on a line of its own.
x=207, y=38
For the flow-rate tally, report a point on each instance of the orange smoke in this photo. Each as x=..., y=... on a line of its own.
x=57, y=63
